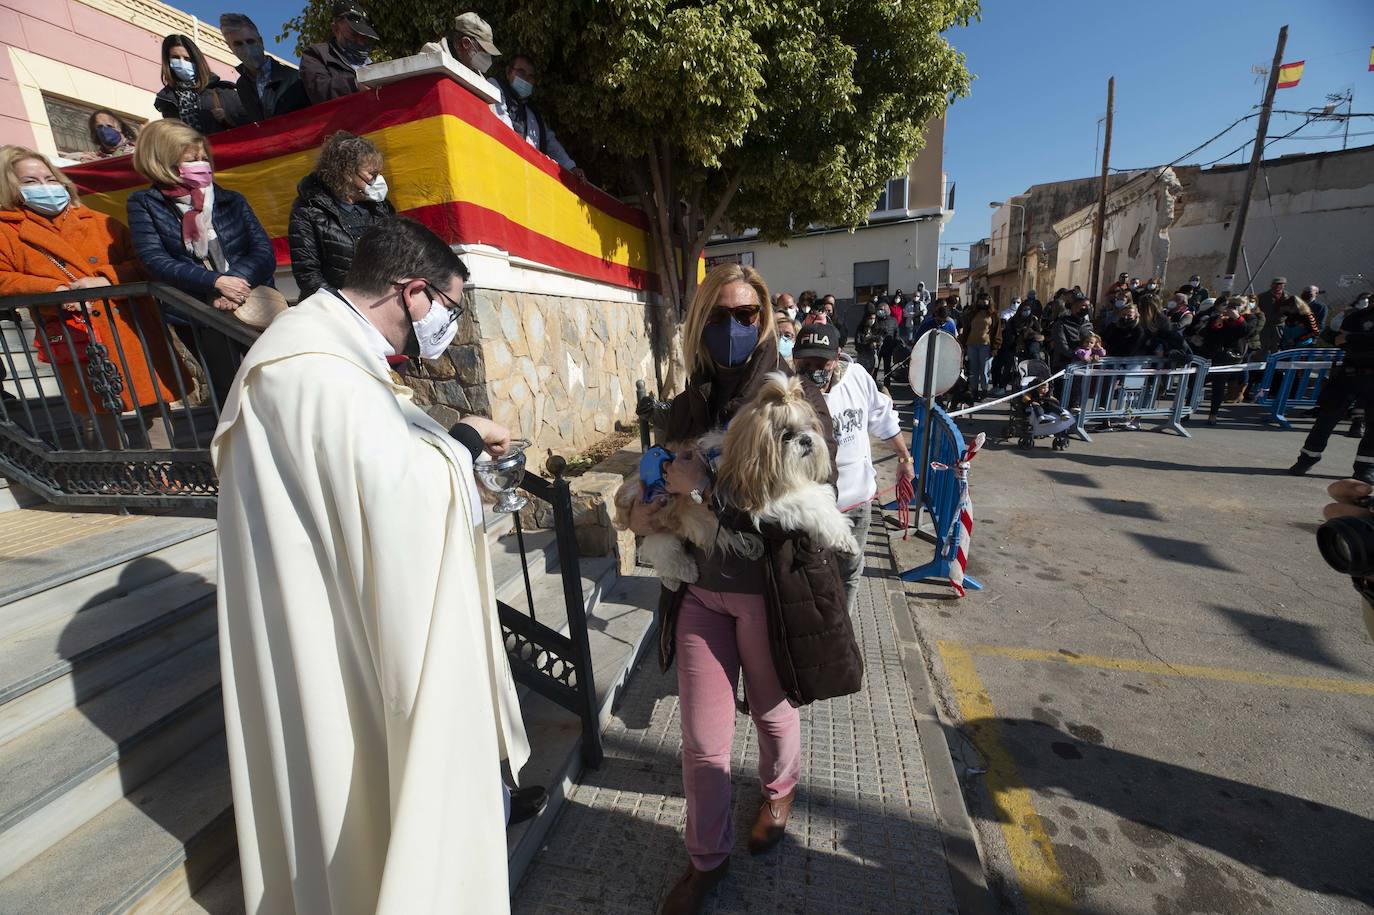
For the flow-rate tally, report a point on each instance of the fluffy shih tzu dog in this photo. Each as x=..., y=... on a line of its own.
x=774, y=466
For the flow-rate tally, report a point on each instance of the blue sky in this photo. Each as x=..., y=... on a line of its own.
x=1182, y=72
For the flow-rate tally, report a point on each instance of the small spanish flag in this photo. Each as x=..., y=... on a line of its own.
x=1371, y=60
x=1289, y=74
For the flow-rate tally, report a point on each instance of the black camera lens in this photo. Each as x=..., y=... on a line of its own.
x=1347, y=545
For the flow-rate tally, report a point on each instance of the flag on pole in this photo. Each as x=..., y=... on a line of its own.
x=1371, y=60
x=963, y=522
x=1290, y=74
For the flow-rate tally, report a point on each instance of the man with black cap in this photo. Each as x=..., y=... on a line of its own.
x=330, y=69
x=858, y=411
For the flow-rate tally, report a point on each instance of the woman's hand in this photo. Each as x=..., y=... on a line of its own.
x=685, y=474
x=225, y=304
x=233, y=288
x=644, y=515
x=495, y=436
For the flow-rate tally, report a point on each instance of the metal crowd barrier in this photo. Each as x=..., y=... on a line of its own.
x=1131, y=388
x=941, y=495
x=1294, y=378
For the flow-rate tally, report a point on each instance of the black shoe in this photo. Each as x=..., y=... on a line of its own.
x=526, y=803
x=1365, y=473
x=1303, y=464
x=1356, y=429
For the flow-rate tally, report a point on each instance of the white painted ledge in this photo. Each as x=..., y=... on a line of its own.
x=431, y=59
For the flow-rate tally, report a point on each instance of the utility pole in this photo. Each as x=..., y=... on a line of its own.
x=1255, y=155
x=1102, y=196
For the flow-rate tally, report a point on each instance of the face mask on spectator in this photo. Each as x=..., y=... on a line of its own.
x=376, y=191
x=355, y=50
x=196, y=174
x=109, y=137
x=481, y=61
x=48, y=199
x=791, y=314
x=1025, y=310
x=1118, y=302
x=785, y=345
x=183, y=70
x=1152, y=286
x=522, y=87
x=819, y=377
x=435, y=330
x=883, y=312
x=729, y=342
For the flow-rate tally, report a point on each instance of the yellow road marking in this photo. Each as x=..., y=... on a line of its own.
x=1042, y=882
x=1224, y=674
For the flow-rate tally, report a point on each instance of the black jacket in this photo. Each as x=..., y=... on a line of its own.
x=220, y=107
x=323, y=234
x=1067, y=335
x=285, y=92
x=1120, y=340
x=326, y=74
x=156, y=228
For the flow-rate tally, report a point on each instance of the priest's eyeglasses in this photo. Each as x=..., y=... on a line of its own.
x=455, y=308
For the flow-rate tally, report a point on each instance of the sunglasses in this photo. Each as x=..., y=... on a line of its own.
x=747, y=315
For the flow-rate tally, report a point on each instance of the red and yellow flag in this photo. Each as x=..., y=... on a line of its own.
x=1290, y=74
x=1371, y=60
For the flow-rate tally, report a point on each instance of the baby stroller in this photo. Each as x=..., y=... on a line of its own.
x=959, y=397
x=1036, y=414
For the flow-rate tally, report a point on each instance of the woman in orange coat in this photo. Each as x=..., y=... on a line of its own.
x=49, y=242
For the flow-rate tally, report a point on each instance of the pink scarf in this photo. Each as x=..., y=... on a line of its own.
x=193, y=232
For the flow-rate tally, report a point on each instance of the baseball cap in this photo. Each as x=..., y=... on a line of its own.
x=1279, y=279
x=357, y=18
x=476, y=28
x=820, y=341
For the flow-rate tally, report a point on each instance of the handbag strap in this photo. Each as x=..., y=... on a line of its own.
x=60, y=265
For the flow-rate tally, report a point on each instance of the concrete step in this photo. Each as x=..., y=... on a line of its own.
x=63, y=602
x=620, y=630
x=63, y=774
x=50, y=683
x=13, y=496
x=43, y=548
x=149, y=851
x=221, y=895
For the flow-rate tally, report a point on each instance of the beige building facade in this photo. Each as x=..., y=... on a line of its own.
x=895, y=249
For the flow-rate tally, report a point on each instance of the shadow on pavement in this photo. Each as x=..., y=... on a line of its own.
x=1290, y=637
x=1126, y=508
x=1185, y=552
x=1099, y=460
x=1159, y=806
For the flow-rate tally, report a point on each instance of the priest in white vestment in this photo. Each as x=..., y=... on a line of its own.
x=368, y=699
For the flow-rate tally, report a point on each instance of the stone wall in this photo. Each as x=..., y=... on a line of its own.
x=556, y=370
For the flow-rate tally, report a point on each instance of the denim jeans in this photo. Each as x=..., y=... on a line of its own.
x=979, y=355
x=852, y=567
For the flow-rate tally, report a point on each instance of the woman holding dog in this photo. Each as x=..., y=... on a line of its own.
x=719, y=626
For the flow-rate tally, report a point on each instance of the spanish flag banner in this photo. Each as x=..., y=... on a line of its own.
x=1290, y=74
x=450, y=163
x=1371, y=60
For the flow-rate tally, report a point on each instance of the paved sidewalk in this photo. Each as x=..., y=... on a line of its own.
x=862, y=837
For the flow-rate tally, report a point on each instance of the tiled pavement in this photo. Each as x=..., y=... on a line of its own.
x=862, y=837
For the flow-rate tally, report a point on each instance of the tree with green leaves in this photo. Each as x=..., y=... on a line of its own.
x=772, y=114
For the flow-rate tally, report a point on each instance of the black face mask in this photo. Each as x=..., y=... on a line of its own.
x=819, y=377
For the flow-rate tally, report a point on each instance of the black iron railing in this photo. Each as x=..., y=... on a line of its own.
x=110, y=395
x=555, y=665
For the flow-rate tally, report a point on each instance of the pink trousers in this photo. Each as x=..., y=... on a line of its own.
x=717, y=634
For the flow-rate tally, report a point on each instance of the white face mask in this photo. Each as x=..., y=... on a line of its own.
x=791, y=314
x=480, y=61
x=376, y=191
x=182, y=69
x=435, y=330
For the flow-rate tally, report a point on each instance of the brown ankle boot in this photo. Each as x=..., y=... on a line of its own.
x=688, y=895
x=771, y=822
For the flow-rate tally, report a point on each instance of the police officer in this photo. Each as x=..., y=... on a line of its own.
x=1351, y=382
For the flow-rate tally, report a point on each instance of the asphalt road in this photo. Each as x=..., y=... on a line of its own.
x=1166, y=698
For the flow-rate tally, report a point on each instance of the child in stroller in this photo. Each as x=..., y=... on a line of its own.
x=1036, y=414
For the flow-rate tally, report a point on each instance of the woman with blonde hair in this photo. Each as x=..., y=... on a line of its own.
x=719, y=626
x=49, y=242
x=196, y=235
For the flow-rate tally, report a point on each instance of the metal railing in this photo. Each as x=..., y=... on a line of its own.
x=1294, y=378
x=110, y=394
x=1132, y=388
x=555, y=665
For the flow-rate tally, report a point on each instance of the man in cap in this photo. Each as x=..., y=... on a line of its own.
x=858, y=411
x=1271, y=302
x=330, y=69
x=469, y=41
